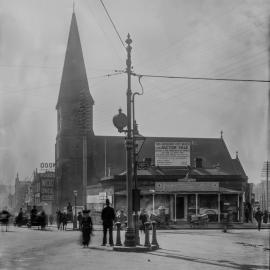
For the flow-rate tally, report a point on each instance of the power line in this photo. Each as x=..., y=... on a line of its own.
x=112, y=23
x=198, y=78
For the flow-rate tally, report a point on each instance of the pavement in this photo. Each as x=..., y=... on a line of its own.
x=243, y=249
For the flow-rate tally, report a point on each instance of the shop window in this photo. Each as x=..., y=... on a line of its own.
x=199, y=162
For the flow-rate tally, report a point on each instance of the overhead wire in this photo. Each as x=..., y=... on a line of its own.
x=110, y=18
x=199, y=78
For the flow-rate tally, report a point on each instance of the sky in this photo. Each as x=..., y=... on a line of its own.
x=198, y=38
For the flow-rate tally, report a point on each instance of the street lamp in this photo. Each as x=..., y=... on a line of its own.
x=130, y=233
x=75, y=216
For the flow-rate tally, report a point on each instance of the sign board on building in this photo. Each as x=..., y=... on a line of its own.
x=98, y=198
x=47, y=186
x=47, y=166
x=186, y=186
x=172, y=154
x=102, y=197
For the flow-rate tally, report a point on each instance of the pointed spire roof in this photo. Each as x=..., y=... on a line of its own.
x=74, y=77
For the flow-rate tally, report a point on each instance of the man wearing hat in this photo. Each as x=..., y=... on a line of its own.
x=107, y=216
x=258, y=217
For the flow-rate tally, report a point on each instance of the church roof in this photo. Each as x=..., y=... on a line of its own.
x=74, y=77
x=213, y=152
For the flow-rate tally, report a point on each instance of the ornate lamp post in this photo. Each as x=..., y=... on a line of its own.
x=75, y=205
x=120, y=121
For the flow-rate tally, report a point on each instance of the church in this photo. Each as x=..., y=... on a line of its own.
x=198, y=176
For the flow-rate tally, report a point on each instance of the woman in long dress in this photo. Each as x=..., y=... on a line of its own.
x=87, y=227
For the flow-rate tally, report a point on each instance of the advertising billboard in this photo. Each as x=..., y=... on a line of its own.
x=172, y=154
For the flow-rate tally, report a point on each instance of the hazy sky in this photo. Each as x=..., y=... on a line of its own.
x=225, y=38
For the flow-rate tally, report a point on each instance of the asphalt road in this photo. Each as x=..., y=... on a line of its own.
x=23, y=248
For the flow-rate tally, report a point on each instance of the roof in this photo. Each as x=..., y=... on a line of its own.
x=74, y=77
x=213, y=151
x=238, y=167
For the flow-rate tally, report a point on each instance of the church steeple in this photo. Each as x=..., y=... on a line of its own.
x=74, y=77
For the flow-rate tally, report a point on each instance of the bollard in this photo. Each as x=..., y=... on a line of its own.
x=154, y=234
x=118, y=234
x=136, y=227
x=147, y=241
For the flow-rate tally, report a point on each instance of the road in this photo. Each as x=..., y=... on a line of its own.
x=23, y=248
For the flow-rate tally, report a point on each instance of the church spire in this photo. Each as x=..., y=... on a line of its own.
x=74, y=77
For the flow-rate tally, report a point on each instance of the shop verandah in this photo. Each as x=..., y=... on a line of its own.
x=181, y=203
x=183, y=199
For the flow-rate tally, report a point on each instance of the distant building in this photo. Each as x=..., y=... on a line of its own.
x=260, y=192
x=43, y=187
x=21, y=191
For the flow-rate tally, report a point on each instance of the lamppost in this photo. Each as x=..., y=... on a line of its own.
x=75, y=205
x=121, y=121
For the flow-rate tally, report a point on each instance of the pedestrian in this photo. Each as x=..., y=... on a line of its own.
x=4, y=218
x=43, y=220
x=64, y=221
x=122, y=218
x=51, y=219
x=246, y=213
x=265, y=216
x=87, y=228
x=143, y=219
x=108, y=217
x=19, y=218
x=258, y=217
x=80, y=220
x=33, y=213
x=69, y=212
x=58, y=218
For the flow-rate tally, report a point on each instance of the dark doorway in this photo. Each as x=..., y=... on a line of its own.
x=180, y=212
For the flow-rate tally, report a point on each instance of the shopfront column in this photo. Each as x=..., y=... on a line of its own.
x=196, y=209
x=218, y=207
x=238, y=208
x=175, y=207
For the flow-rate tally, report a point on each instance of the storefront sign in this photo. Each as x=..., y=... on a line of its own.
x=186, y=186
x=172, y=154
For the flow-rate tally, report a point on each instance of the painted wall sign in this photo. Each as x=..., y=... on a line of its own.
x=172, y=154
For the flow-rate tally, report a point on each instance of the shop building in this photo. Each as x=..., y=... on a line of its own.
x=207, y=181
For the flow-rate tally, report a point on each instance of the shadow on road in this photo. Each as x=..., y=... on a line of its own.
x=222, y=263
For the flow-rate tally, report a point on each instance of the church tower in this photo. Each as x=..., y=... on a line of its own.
x=74, y=125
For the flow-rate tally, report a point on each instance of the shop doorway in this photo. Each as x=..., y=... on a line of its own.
x=180, y=207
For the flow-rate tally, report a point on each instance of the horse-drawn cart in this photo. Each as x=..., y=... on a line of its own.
x=39, y=220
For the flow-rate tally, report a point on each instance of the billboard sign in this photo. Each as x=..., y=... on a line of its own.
x=172, y=154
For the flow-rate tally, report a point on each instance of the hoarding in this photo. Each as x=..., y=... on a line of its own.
x=172, y=154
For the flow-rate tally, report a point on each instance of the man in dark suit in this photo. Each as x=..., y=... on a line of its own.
x=107, y=216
